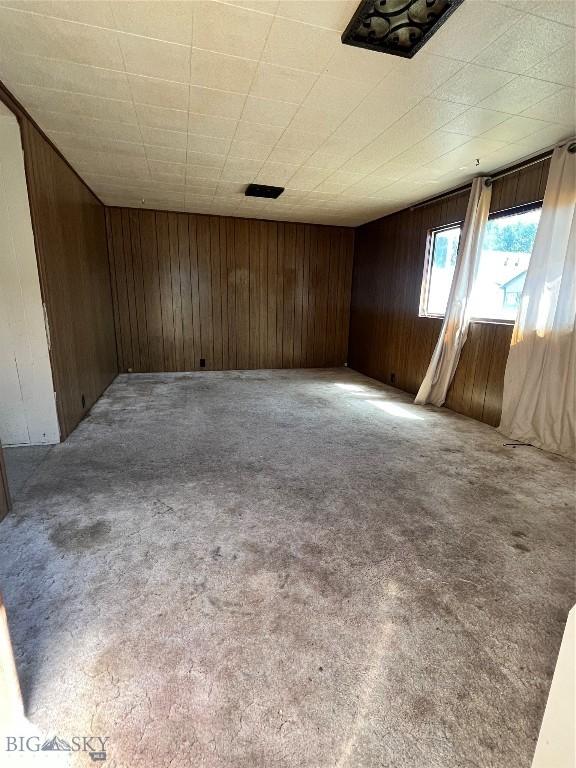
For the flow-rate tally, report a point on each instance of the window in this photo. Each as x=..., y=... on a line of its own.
x=506, y=251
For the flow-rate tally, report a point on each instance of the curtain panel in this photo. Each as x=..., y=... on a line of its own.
x=539, y=399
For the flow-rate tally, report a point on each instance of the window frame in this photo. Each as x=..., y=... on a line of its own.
x=429, y=254
x=427, y=272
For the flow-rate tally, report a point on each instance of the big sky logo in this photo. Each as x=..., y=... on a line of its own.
x=94, y=746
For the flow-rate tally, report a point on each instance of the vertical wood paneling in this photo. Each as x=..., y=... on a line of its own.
x=388, y=339
x=70, y=236
x=238, y=293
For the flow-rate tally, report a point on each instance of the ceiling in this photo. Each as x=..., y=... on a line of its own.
x=179, y=105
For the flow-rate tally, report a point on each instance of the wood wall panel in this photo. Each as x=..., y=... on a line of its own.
x=70, y=237
x=68, y=222
x=388, y=339
x=238, y=293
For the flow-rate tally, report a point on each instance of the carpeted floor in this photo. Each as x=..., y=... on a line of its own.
x=289, y=569
x=22, y=463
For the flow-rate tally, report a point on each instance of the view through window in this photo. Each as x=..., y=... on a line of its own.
x=508, y=243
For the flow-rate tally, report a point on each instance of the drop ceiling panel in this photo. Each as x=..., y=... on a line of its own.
x=182, y=104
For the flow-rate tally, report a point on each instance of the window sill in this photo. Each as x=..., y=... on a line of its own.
x=483, y=320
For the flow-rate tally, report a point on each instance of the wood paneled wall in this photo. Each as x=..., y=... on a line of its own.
x=236, y=293
x=70, y=234
x=69, y=228
x=388, y=339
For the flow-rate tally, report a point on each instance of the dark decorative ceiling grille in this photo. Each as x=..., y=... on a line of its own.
x=400, y=27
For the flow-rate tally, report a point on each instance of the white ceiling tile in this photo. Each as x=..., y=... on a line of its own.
x=95, y=143
x=249, y=150
x=434, y=113
x=433, y=146
x=488, y=20
x=201, y=172
x=559, y=67
x=527, y=42
x=215, y=70
x=164, y=21
x=43, y=99
x=277, y=174
x=328, y=160
x=266, y=135
x=308, y=178
x=423, y=74
x=268, y=112
x=160, y=117
x=282, y=83
x=359, y=65
x=159, y=93
x=543, y=139
x=230, y=189
x=562, y=11
x=95, y=12
x=79, y=124
x=155, y=58
x=172, y=171
x=162, y=138
x=241, y=170
x=519, y=94
x=298, y=140
x=332, y=15
x=210, y=125
x=466, y=155
x=291, y=44
x=290, y=156
x=108, y=163
x=28, y=33
x=515, y=128
x=206, y=101
x=319, y=121
x=472, y=84
x=558, y=108
x=165, y=154
x=349, y=132
x=335, y=94
x=229, y=29
x=199, y=187
x=475, y=121
x=63, y=75
x=205, y=158
x=208, y=144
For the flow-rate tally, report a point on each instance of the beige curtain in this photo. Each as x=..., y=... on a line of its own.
x=539, y=401
x=457, y=318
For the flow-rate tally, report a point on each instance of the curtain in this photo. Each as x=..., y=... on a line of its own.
x=539, y=384
x=457, y=318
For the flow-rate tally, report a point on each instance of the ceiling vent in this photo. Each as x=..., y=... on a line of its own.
x=399, y=27
x=263, y=190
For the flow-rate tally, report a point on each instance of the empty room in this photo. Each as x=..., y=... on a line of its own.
x=287, y=383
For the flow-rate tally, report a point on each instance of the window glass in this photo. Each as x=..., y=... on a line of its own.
x=508, y=243
x=442, y=260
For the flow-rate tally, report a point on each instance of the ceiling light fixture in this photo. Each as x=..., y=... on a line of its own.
x=399, y=27
x=263, y=190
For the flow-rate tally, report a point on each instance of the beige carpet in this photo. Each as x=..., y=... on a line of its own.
x=290, y=569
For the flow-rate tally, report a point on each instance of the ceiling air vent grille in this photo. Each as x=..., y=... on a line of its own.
x=263, y=190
